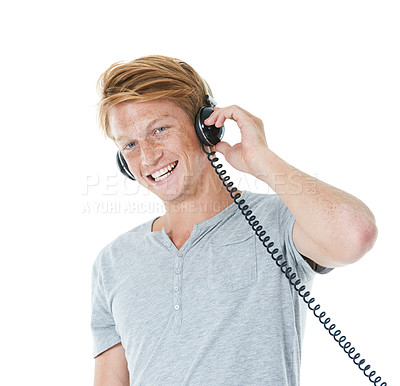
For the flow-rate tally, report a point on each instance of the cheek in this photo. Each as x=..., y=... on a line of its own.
x=192, y=141
x=194, y=155
x=192, y=149
x=155, y=145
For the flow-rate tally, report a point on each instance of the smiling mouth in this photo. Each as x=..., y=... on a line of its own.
x=163, y=173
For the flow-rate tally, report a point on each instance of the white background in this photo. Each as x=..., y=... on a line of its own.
x=324, y=78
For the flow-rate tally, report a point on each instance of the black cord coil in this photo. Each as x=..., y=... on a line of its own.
x=291, y=276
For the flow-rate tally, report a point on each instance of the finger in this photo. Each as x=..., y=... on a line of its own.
x=240, y=116
x=215, y=108
x=211, y=119
x=220, y=120
x=215, y=118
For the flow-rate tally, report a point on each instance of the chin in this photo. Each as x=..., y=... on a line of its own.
x=171, y=196
x=174, y=194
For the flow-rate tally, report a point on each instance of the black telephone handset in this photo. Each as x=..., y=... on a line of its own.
x=211, y=135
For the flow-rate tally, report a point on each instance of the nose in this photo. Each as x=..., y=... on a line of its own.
x=150, y=153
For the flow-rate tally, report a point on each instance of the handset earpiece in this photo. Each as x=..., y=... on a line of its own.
x=123, y=166
x=208, y=135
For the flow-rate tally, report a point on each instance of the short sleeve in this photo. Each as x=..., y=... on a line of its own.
x=302, y=267
x=104, y=333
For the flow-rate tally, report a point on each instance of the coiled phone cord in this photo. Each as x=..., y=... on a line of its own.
x=291, y=276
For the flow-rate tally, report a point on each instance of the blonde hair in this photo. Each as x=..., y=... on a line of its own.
x=149, y=78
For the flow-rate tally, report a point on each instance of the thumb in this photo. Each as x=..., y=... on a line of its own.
x=222, y=147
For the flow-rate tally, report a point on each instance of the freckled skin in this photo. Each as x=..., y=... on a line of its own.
x=154, y=150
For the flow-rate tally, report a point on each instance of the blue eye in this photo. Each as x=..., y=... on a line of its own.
x=160, y=129
x=130, y=145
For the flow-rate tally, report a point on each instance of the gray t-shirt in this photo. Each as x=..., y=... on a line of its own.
x=216, y=312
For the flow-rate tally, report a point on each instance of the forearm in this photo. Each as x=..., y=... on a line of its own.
x=338, y=222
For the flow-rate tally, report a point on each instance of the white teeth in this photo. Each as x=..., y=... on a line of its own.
x=160, y=174
x=162, y=177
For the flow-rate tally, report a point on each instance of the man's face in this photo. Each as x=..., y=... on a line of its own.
x=161, y=147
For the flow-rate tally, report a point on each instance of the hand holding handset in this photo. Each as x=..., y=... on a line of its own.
x=210, y=136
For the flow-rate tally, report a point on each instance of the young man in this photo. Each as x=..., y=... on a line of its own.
x=193, y=297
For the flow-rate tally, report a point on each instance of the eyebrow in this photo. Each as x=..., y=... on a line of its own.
x=152, y=122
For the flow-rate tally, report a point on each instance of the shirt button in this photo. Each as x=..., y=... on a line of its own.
x=177, y=271
x=177, y=307
x=180, y=254
x=176, y=289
